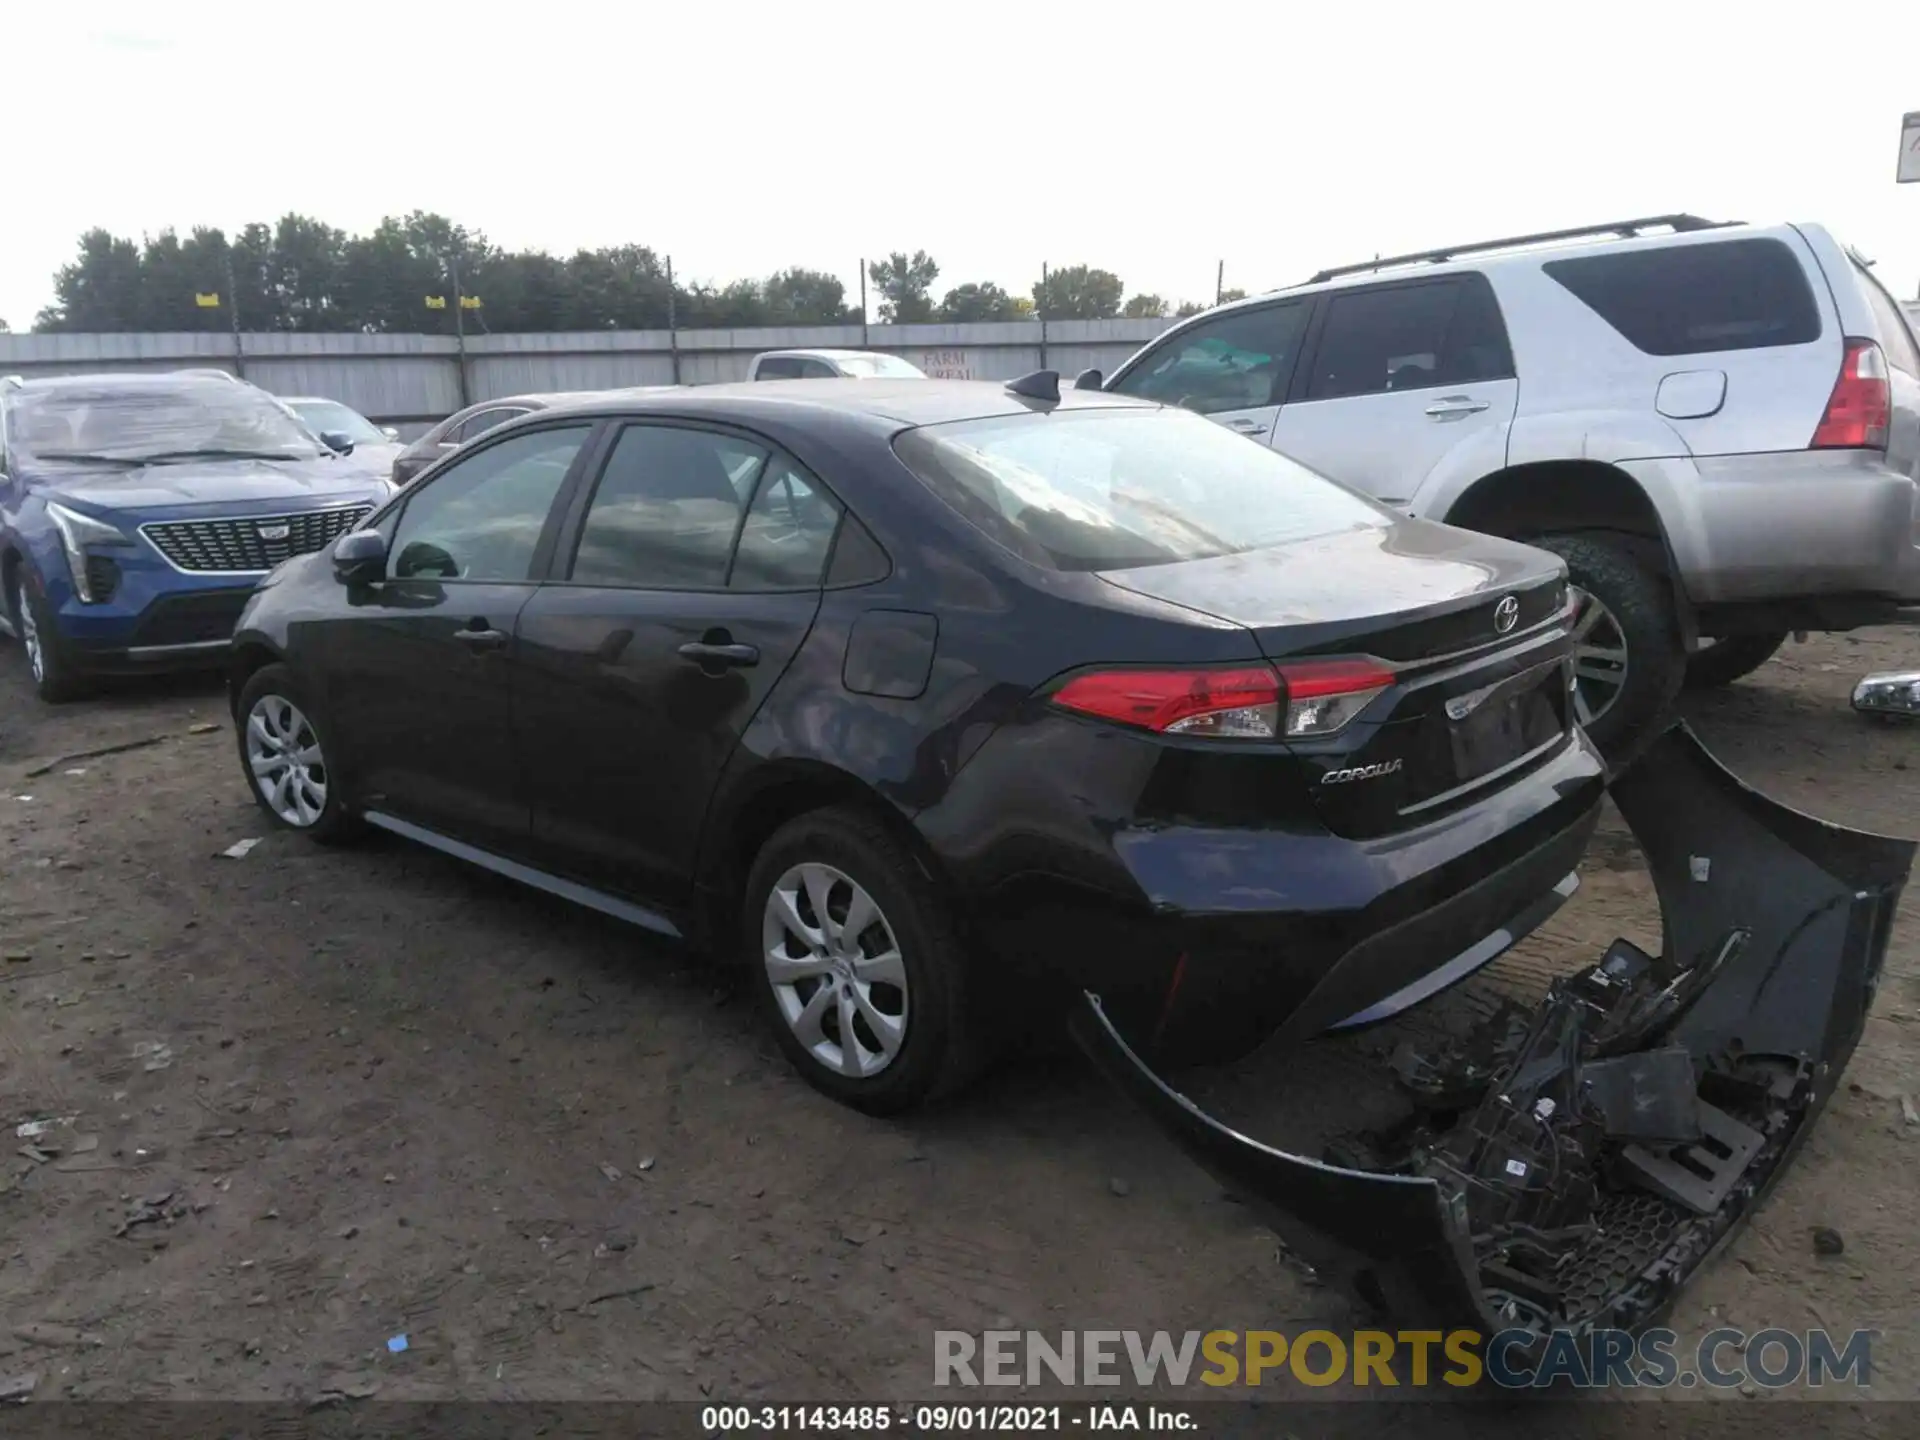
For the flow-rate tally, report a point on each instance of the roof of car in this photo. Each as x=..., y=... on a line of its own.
x=904, y=403
x=806, y=353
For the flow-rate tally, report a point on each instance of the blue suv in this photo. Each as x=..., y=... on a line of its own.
x=138, y=510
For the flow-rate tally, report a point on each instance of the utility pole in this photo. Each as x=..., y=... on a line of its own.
x=673, y=323
x=459, y=326
x=1042, y=308
x=863, y=303
x=233, y=319
x=1219, y=282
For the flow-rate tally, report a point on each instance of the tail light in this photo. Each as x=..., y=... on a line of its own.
x=1861, y=406
x=1257, y=702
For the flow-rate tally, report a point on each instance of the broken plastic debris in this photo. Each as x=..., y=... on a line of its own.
x=23, y=797
x=240, y=848
x=646, y=1164
x=1700, y=867
x=77, y=770
x=205, y=727
x=612, y=1172
x=397, y=1344
x=156, y=1055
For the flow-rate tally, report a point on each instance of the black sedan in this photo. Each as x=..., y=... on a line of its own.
x=937, y=701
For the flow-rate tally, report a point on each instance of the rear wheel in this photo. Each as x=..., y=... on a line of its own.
x=858, y=964
x=1628, y=662
x=1721, y=662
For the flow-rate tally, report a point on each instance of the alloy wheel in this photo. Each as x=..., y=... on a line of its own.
x=29, y=629
x=284, y=755
x=1599, y=658
x=836, y=970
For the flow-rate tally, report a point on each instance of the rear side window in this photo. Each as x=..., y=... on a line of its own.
x=1697, y=299
x=778, y=367
x=1409, y=337
x=1896, y=336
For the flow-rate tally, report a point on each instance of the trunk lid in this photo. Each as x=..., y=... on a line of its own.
x=1472, y=629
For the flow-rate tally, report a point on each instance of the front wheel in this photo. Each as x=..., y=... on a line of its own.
x=284, y=752
x=1628, y=660
x=1721, y=662
x=858, y=964
x=55, y=677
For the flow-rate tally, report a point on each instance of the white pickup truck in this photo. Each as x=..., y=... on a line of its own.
x=828, y=364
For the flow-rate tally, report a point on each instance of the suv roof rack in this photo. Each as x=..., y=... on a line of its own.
x=1626, y=229
x=211, y=370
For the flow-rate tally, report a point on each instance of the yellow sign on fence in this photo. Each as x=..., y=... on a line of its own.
x=436, y=302
x=206, y=302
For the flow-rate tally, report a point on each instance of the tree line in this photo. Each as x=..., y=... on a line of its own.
x=423, y=272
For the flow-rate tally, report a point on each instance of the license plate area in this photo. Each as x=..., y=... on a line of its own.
x=1486, y=733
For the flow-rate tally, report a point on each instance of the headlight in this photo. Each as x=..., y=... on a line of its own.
x=78, y=531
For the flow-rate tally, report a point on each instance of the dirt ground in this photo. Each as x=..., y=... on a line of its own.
x=306, y=1101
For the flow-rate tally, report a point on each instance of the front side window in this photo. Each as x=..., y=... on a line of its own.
x=475, y=426
x=155, y=422
x=667, y=508
x=1115, y=489
x=1238, y=361
x=1697, y=299
x=480, y=517
x=322, y=416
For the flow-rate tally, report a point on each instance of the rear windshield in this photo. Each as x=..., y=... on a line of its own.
x=1115, y=489
x=1695, y=299
x=148, y=423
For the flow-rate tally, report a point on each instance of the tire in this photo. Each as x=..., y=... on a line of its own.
x=56, y=677
x=1637, y=621
x=1721, y=662
x=937, y=1050
x=274, y=720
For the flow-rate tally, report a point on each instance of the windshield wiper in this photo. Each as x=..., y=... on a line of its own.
x=166, y=457
x=82, y=458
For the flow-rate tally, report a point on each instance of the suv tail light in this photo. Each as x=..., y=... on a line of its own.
x=1861, y=406
x=1255, y=702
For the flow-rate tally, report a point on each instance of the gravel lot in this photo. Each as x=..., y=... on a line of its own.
x=306, y=1101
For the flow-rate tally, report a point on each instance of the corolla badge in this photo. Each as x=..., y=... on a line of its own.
x=1362, y=772
x=1506, y=615
x=278, y=531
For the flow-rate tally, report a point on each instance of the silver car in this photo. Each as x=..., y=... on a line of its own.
x=1716, y=426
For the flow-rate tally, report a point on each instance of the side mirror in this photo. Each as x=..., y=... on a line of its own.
x=1088, y=380
x=360, y=557
x=389, y=432
x=337, y=441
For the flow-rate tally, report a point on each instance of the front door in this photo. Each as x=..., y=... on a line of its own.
x=1233, y=368
x=419, y=680
x=686, y=585
x=1398, y=379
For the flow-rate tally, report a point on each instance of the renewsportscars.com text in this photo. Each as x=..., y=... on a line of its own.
x=1513, y=1359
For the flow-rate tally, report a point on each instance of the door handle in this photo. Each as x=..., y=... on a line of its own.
x=478, y=635
x=1248, y=427
x=703, y=652
x=1455, y=405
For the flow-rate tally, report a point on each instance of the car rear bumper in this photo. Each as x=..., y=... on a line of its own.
x=1235, y=934
x=1798, y=524
x=1776, y=926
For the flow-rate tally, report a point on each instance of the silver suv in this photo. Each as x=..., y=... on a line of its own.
x=1716, y=426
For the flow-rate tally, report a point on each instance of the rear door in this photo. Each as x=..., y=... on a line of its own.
x=1233, y=367
x=684, y=584
x=1399, y=377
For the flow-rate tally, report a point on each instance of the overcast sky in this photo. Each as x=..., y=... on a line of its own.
x=1153, y=140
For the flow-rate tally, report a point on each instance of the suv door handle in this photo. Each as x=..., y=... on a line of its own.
x=1248, y=427
x=702, y=652
x=1450, y=406
x=478, y=635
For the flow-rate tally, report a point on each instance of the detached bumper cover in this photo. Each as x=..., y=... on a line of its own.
x=1572, y=1167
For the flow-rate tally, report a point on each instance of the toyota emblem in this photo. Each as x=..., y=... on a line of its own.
x=1506, y=615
